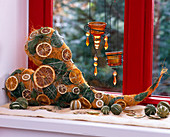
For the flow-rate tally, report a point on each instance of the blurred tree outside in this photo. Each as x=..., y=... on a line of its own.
x=161, y=47
x=69, y=18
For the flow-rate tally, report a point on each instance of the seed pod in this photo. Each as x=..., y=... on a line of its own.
x=164, y=103
x=116, y=109
x=75, y=104
x=105, y=110
x=150, y=110
x=163, y=111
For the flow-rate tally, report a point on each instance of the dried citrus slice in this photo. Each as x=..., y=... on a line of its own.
x=33, y=34
x=62, y=89
x=11, y=83
x=46, y=30
x=43, y=49
x=98, y=95
x=66, y=54
x=42, y=99
x=75, y=76
x=26, y=94
x=44, y=76
x=26, y=77
x=121, y=102
x=76, y=90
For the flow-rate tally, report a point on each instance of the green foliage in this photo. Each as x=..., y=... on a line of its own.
x=88, y=94
x=68, y=97
x=59, y=66
x=18, y=91
x=50, y=91
x=33, y=43
x=112, y=101
x=34, y=93
x=141, y=96
x=16, y=71
x=56, y=40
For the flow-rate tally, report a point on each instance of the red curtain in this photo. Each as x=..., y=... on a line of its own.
x=138, y=45
x=40, y=15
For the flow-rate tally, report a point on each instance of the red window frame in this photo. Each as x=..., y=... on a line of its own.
x=138, y=42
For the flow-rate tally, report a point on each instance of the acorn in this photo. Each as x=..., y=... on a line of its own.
x=164, y=103
x=163, y=111
x=150, y=110
x=105, y=110
x=116, y=109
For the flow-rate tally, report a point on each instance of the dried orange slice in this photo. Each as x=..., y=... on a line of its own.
x=45, y=30
x=121, y=102
x=44, y=76
x=42, y=99
x=26, y=94
x=62, y=89
x=66, y=54
x=43, y=49
x=33, y=34
x=26, y=77
x=11, y=83
x=75, y=76
x=76, y=90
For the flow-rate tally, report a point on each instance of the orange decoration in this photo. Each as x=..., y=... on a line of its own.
x=106, y=45
x=114, y=79
x=95, y=64
x=95, y=71
x=95, y=58
x=87, y=41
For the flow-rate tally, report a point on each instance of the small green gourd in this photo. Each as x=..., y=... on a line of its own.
x=20, y=103
x=150, y=110
x=116, y=109
x=15, y=105
x=164, y=103
x=163, y=111
x=23, y=102
x=105, y=110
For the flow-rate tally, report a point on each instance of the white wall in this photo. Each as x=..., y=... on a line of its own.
x=13, y=34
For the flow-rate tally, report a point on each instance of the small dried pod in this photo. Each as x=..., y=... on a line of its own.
x=105, y=110
x=150, y=110
x=75, y=104
x=98, y=95
x=163, y=111
x=116, y=109
x=97, y=103
x=85, y=104
x=164, y=103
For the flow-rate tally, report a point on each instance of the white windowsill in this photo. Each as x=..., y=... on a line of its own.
x=79, y=127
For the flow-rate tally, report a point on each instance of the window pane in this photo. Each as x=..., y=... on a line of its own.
x=161, y=51
x=69, y=18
